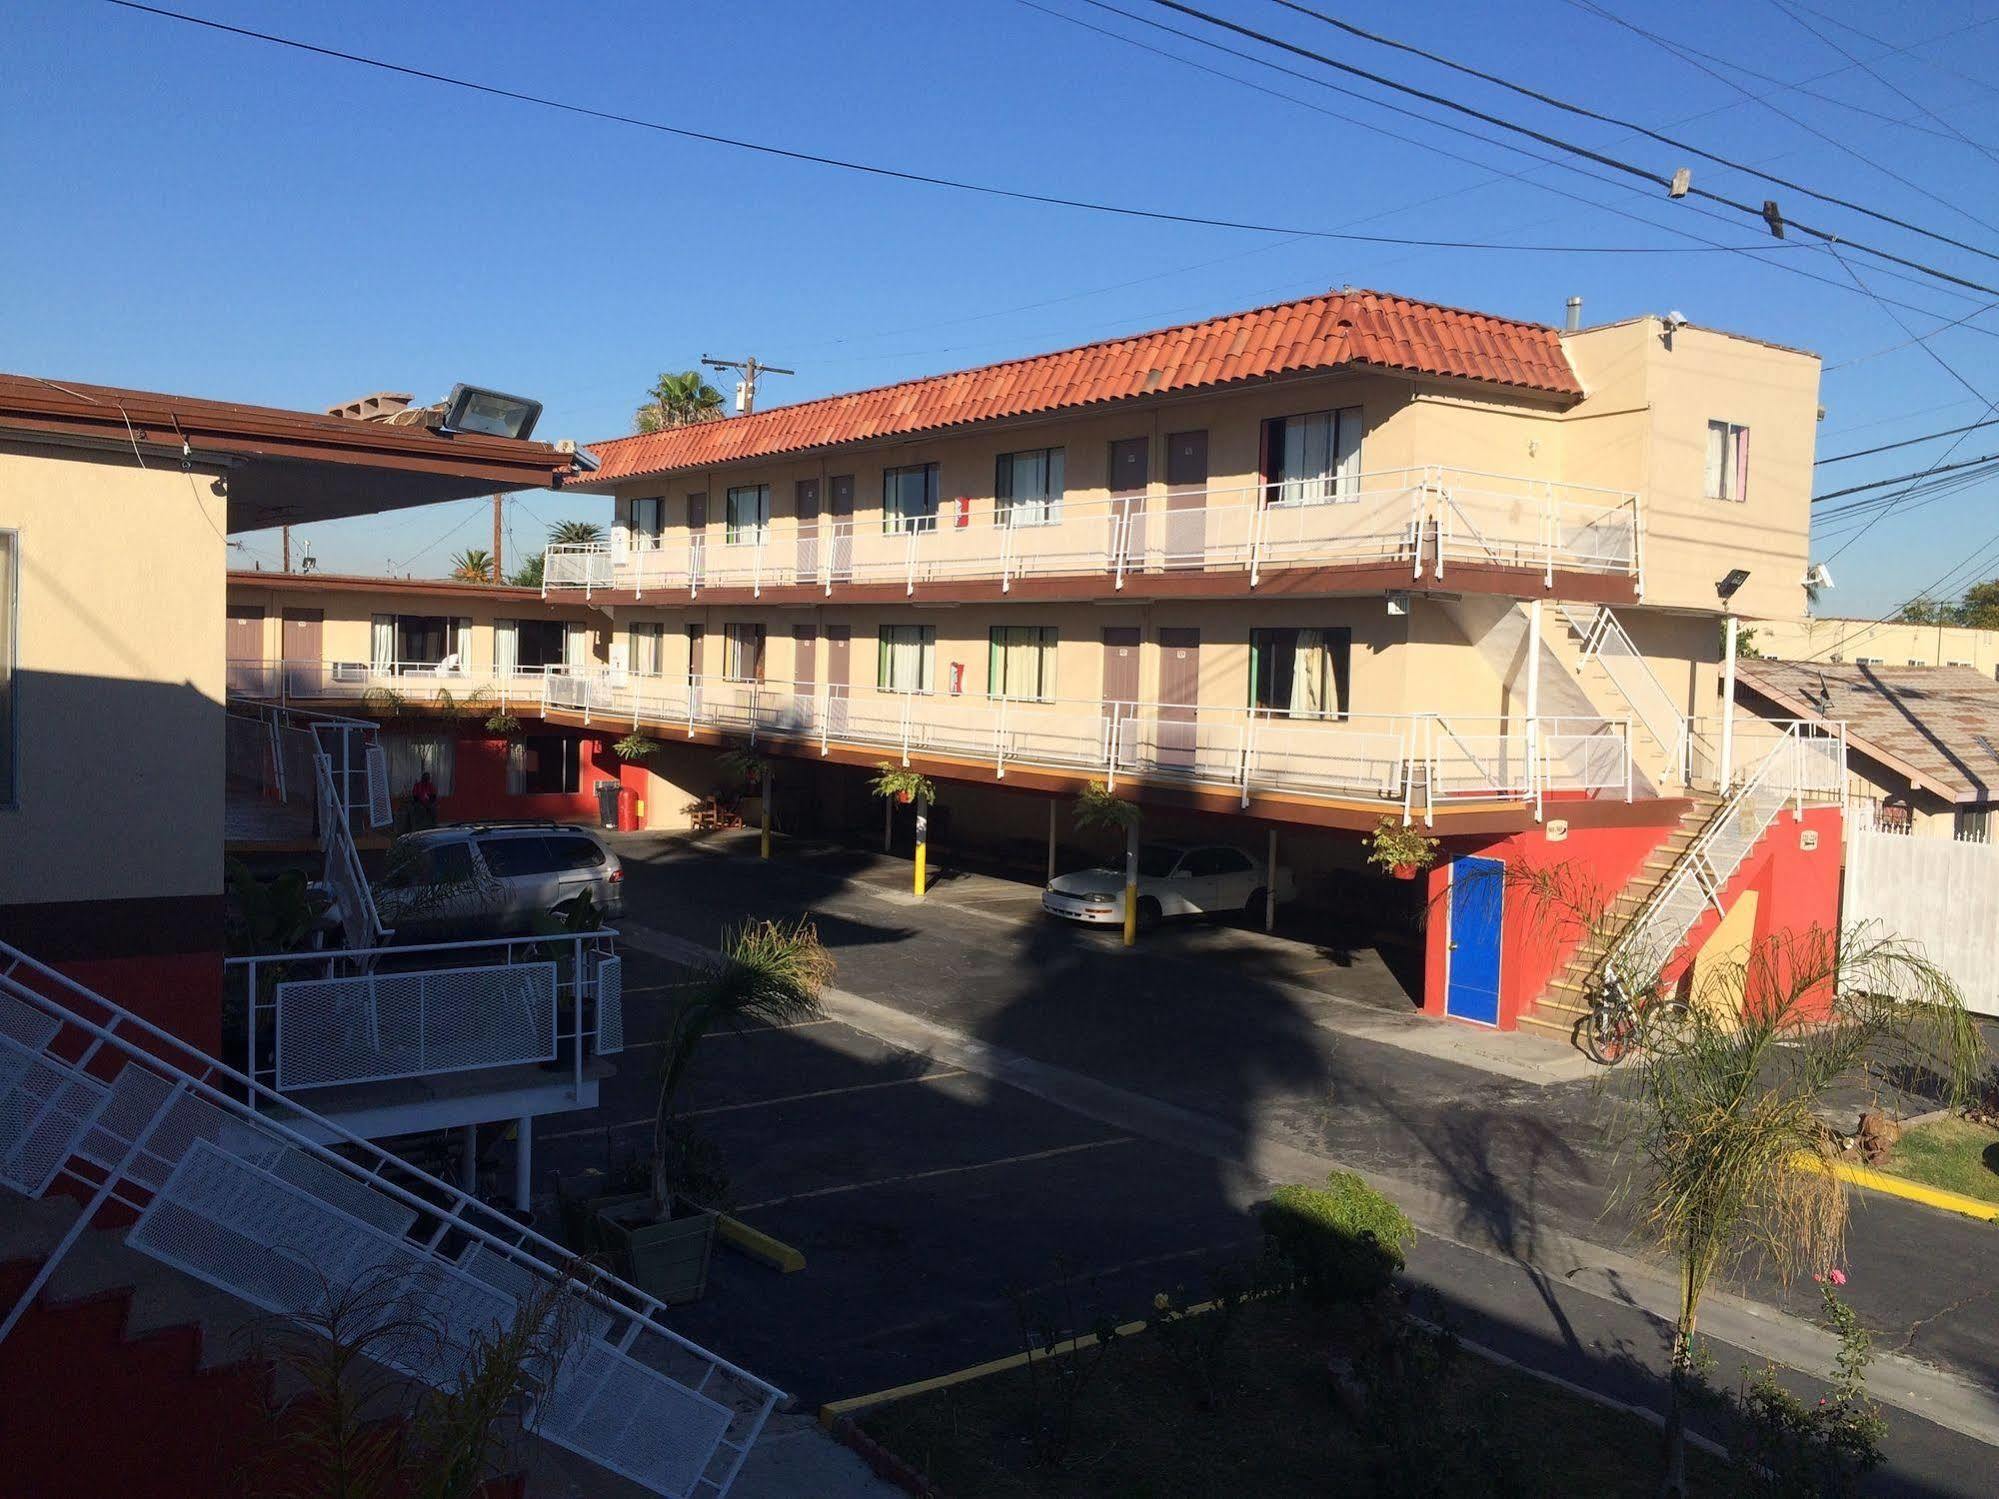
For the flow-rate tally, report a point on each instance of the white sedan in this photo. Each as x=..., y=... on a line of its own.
x=1174, y=879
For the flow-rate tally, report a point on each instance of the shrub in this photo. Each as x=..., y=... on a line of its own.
x=1345, y=1241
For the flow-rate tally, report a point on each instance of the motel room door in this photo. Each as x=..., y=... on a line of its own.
x=1477, y=897
x=244, y=642
x=303, y=630
x=839, y=649
x=1179, y=693
x=1186, y=499
x=805, y=500
x=1121, y=644
x=1131, y=468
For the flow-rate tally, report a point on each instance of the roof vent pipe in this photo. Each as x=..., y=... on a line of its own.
x=1574, y=321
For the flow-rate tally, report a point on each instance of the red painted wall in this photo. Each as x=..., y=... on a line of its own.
x=178, y=992
x=1537, y=933
x=479, y=780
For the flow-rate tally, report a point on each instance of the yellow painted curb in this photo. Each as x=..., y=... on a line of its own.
x=833, y=1410
x=759, y=1246
x=1900, y=1186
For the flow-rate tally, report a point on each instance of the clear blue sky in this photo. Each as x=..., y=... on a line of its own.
x=200, y=213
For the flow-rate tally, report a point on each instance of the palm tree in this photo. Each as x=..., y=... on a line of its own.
x=771, y=973
x=575, y=533
x=528, y=574
x=678, y=400
x=1726, y=1112
x=474, y=565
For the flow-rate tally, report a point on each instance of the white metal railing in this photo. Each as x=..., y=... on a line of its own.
x=367, y=1015
x=1412, y=761
x=1805, y=762
x=387, y=682
x=1603, y=638
x=259, y=1197
x=1431, y=517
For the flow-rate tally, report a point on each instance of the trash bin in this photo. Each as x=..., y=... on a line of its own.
x=607, y=805
x=628, y=810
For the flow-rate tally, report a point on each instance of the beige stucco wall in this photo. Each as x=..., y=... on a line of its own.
x=1643, y=426
x=1892, y=644
x=121, y=686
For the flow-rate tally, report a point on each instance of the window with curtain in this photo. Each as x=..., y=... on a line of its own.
x=743, y=654
x=1020, y=662
x=1727, y=475
x=746, y=515
x=643, y=648
x=905, y=661
x=1299, y=673
x=9, y=574
x=1315, y=458
x=382, y=642
x=909, y=498
x=410, y=755
x=1028, y=487
x=576, y=646
x=647, y=521
x=506, y=647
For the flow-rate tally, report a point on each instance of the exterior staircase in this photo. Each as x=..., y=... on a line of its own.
x=273, y=1210
x=1592, y=647
x=1649, y=922
x=1566, y=1001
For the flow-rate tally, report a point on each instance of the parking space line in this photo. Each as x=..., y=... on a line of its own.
x=916, y=1176
x=764, y=1103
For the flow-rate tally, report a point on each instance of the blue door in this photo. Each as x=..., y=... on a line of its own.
x=1472, y=991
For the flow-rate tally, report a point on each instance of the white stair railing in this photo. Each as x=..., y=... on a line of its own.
x=1605, y=640
x=290, y=1213
x=1808, y=764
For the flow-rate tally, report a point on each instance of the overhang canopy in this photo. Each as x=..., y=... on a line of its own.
x=283, y=467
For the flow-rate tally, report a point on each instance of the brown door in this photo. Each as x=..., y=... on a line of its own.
x=840, y=528
x=805, y=653
x=1179, y=692
x=302, y=632
x=839, y=647
x=1186, y=499
x=244, y=641
x=697, y=534
x=1130, y=472
x=805, y=500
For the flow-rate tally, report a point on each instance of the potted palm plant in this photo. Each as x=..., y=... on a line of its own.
x=1402, y=851
x=770, y=973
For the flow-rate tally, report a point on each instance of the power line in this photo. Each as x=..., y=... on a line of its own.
x=787, y=153
x=1585, y=112
x=1896, y=89
x=1907, y=442
x=1935, y=468
x=1675, y=49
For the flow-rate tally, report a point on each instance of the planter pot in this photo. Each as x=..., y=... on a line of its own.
x=1404, y=871
x=580, y=1198
x=905, y=797
x=664, y=1257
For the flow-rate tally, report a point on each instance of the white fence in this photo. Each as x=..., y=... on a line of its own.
x=1940, y=893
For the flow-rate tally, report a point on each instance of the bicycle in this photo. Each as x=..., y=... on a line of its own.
x=1616, y=1026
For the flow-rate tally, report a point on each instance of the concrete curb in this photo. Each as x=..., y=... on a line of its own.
x=886, y=1465
x=759, y=1246
x=1910, y=1191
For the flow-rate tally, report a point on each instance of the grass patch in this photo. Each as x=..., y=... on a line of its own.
x=1953, y=1154
x=1276, y=1427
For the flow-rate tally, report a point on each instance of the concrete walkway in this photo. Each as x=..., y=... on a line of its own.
x=796, y=1459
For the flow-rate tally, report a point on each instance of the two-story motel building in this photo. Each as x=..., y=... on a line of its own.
x=1292, y=570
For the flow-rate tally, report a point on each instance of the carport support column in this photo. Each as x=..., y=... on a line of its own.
x=523, y=1163
x=468, y=1160
x=1051, y=840
x=1270, y=884
x=1131, y=883
x=888, y=823
x=763, y=845
x=922, y=840
x=1727, y=771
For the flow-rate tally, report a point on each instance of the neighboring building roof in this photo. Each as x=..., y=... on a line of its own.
x=1315, y=333
x=284, y=466
x=1937, y=725
x=317, y=582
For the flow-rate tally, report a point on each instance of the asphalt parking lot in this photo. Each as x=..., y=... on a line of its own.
x=923, y=1198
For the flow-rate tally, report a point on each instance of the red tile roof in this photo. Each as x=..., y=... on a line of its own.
x=1323, y=332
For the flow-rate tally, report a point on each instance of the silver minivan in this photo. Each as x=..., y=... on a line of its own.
x=493, y=879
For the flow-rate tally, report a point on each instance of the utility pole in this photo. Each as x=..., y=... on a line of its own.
x=286, y=561
x=498, y=571
x=746, y=388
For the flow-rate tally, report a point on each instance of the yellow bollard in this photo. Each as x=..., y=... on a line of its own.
x=922, y=841
x=1131, y=887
